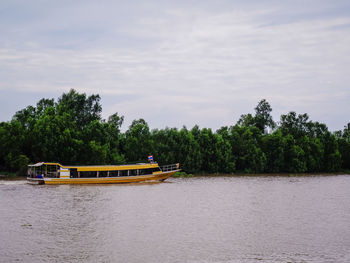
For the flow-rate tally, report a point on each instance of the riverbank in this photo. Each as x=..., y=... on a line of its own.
x=10, y=176
x=186, y=175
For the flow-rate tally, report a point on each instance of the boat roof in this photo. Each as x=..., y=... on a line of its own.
x=36, y=165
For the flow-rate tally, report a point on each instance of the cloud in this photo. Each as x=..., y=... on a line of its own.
x=184, y=64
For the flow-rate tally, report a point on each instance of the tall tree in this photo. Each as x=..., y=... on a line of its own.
x=245, y=144
x=137, y=141
x=295, y=125
x=114, y=137
x=273, y=146
x=83, y=109
x=263, y=118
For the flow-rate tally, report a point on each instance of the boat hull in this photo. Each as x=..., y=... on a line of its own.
x=109, y=180
x=35, y=181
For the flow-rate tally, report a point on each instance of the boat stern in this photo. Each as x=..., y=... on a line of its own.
x=31, y=180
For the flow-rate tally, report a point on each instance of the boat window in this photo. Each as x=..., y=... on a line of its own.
x=143, y=172
x=124, y=173
x=39, y=171
x=88, y=174
x=146, y=171
x=103, y=174
x=73, y=173
x=113, y=173
x=133, y=172
x=51, y=171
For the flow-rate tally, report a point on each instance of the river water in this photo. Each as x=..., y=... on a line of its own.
x=200, y=219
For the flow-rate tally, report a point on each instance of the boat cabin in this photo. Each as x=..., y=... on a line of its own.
x=56, y=170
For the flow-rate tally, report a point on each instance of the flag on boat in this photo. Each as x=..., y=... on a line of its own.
x=150, y=157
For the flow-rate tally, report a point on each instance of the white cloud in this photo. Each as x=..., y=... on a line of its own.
x=195, y=65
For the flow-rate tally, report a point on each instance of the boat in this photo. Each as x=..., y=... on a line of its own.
x=55, y=173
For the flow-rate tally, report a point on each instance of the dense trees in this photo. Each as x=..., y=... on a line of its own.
x=71, y=131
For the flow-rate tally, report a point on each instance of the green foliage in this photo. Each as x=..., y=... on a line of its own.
x=137, y=141
x=190, y=151
x=332, y=156
x=293, y=124
x=343, y=139
x=294, y=156
x=20, y=163
x=273, y=145
x=71, y=131
x=262, y=118
x=245, y=144
x=81, y=108
x=182, y=175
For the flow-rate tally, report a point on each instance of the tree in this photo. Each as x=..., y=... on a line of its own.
x=56, y=138
x=166, y=144
x=263, y=118
x=273, y=146
x=83, y=109
x=295, y=125
x=228, y=163
x=343, y=140
x=114, y=135
x=314, y=152
x=332, y=156
x=294, y=156
x=11, y=142
x=245, y=143
x=137, y=141
x=246, y=120
x=191, y=151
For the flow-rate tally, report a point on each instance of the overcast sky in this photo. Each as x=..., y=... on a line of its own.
x=178, y=63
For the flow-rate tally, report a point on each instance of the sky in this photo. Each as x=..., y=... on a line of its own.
x=183, y=62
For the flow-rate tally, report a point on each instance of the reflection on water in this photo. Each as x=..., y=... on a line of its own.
x=212, y=219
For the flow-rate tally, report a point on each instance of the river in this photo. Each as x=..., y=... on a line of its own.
x=200, y=219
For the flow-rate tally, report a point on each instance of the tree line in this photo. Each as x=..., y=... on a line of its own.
x=72, y=131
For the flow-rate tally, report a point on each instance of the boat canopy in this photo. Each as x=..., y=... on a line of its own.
x=37, y=164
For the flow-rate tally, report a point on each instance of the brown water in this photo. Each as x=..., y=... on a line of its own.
x=212, y=219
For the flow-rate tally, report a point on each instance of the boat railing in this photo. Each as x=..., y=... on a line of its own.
x=170, y=167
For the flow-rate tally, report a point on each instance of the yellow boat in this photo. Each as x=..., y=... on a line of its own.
x=55, y=173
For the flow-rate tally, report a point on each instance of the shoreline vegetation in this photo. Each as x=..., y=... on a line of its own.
x=186, y=175
x=11, y=176
x=72, y=131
